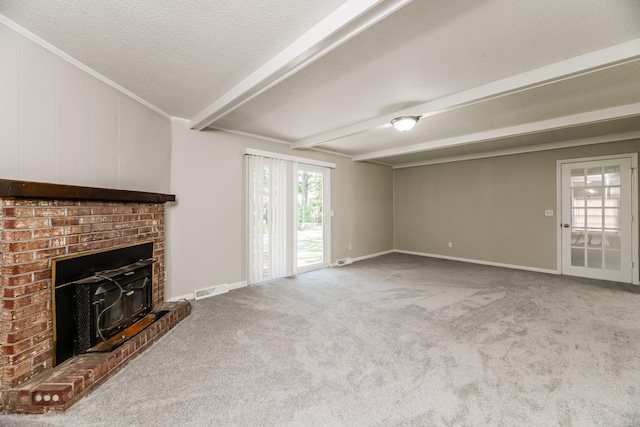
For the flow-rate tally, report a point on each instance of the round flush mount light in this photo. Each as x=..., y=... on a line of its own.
x=404, y=123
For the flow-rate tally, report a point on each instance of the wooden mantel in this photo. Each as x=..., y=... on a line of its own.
x=41, y=190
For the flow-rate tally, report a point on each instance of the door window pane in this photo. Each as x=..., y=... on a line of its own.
x=594, y=218
x=577, y=178
x=611, y=219
x=612, y=175
x=577, y=257
x=612, y=242
x=612, y=261
x=594, y=259
x=577, y=238
x=594, y=197
x=594, y=240
x=579, y=195
x=612, y=197
x=594, y=177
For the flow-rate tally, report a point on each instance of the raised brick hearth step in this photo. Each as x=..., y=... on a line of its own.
x=57, y=389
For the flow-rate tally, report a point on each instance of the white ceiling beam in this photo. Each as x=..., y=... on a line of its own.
x=353, y=17
x=251, y=135
x=580, y=142
x=523, y=129
x=542, y=76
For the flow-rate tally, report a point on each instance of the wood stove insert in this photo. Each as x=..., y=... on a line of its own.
x=98, y=295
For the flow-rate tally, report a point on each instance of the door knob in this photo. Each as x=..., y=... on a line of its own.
x=565, y=225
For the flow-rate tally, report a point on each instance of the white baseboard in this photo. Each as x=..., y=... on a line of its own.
x=360, y=258
x=190, y=296
x=237, y=285
x=477, y=261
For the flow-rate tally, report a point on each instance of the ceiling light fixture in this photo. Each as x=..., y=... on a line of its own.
x=404, y=123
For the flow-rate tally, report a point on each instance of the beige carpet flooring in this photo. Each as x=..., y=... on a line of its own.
x=397, y=340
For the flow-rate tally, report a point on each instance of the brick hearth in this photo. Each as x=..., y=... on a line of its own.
x=55, y=390
x=41, y=222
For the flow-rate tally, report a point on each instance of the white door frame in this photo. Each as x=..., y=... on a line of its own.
x=634, y=207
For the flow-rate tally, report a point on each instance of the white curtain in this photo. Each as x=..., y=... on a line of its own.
x=268, y=218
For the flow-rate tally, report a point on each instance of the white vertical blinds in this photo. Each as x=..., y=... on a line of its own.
x=268, y=218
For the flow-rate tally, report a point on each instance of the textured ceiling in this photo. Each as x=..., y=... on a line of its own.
x=484, y=75
x=178, y=55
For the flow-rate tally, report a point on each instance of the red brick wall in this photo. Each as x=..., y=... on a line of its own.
x=32, y=233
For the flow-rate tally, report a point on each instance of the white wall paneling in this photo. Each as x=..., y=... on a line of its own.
x=60, y=124
x=37, y=113
x=9, y=103
x=84, y=127
x=144, y=140
x=104, y=135
x=67, y=119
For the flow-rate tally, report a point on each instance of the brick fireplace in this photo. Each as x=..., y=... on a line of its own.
x=43, y=222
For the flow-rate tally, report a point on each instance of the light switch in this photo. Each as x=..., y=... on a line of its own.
x=548, y=212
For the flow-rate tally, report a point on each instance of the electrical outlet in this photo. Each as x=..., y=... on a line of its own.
x=450, y=244
x=350, y=246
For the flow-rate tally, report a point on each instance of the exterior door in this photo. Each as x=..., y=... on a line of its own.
x=597, y=219
x=312, y=232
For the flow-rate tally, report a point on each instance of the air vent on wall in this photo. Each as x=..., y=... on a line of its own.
x=344, y=261
x=211, y=291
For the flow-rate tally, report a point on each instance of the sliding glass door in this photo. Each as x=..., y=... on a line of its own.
x=311, y=227
x=288, y=226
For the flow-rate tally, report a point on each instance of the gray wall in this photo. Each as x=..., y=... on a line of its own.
x=206, y=236
x=492, y=210
x=62, y=125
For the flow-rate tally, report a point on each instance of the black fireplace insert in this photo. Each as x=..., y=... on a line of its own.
x=110, y=301
x=98, y=295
